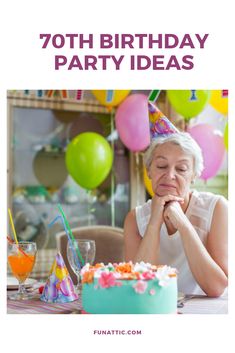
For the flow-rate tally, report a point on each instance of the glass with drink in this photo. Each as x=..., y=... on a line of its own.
x=21, y=259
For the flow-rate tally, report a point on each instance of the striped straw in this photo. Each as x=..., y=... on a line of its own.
x=75, y=255
x=12, y=226
x=71, y=234
x=19, y=248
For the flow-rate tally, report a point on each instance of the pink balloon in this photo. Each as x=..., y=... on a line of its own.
x=132, y=122
x=212, y=146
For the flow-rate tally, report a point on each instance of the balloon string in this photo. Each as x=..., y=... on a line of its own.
x=112, y=173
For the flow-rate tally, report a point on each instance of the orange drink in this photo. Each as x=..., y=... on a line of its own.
x=21, y=265
x=21, y=259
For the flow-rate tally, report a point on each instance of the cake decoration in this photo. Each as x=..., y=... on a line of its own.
x=140, y=286
x=152, y=292
x=164, y=274
x=107, y=280
x=128, y=288
x=108, y=275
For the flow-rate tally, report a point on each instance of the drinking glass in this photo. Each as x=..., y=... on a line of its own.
x=21, y=259
x=87, y=250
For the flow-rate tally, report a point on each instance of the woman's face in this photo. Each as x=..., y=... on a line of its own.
x=171, y=171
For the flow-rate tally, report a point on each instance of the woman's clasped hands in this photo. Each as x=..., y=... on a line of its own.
x=167, y=209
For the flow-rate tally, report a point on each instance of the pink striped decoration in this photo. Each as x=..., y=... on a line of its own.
x=79, y=95
x=224, y=93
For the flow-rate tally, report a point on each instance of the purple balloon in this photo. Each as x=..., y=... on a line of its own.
x=212, y=146
x=132, y=122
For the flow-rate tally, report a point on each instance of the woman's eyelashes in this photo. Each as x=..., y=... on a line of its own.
x=161, y=167
x=178, y=169
x=182, y=170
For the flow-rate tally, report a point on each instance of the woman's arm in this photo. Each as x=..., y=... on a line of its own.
x=207, y=263
x=132, y=238
x=136, y=248
x=217, y=241
x=147, y=248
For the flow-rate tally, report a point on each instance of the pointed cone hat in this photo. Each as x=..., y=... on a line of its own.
x=59, y=287
x=160, y=125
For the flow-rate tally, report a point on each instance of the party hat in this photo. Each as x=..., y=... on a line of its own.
x=159, y=124
x=59, y=287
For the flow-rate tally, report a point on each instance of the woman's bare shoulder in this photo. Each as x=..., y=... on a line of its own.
x=131, y=218
x=131, y=213
x=221, y=209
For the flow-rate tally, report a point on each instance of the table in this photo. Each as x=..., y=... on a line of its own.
x=36, y=306
x=204, y=305
x=192, y=305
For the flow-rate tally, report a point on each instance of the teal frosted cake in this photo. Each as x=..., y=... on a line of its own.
x=128, y=288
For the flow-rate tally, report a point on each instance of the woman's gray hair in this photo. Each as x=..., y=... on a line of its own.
x=187, y=144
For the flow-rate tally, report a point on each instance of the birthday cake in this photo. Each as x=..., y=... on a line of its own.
x=128, y=288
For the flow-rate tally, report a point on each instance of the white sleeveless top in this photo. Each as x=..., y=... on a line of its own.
x=199, y=212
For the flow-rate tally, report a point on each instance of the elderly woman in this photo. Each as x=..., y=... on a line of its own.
x=180, y=227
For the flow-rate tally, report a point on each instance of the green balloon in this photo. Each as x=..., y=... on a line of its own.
x=89, y=159
x=188, y=103
x=226, y=136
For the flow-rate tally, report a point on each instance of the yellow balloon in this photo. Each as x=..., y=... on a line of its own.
x=219, y=101
x=110, y=98
x=147, y=183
